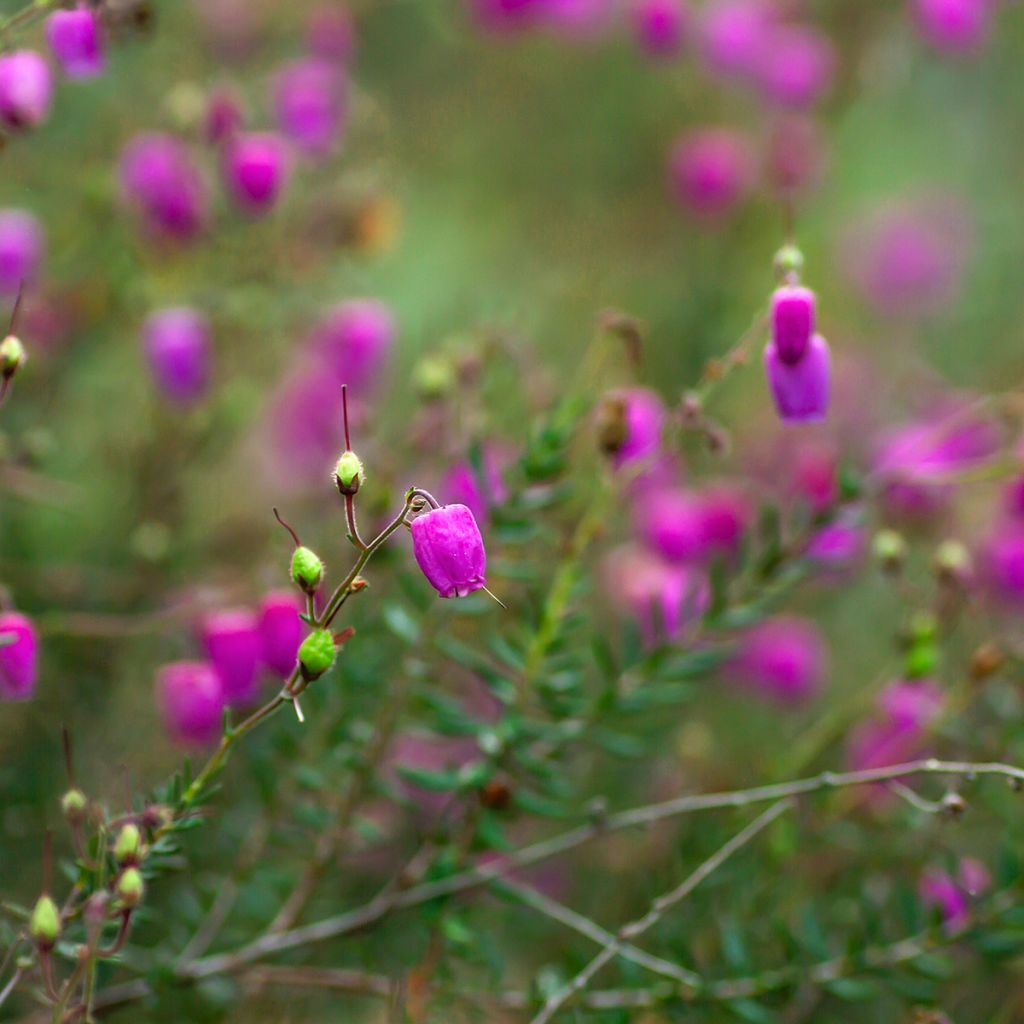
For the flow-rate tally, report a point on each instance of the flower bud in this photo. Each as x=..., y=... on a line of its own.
x=73, y=805
x=19, y=655
x=348, y=473
x=44, y=924
x=162, y=182
x=12, y=356
x=788, y=263
x=176, y=341
x=130, y=888
x=191, y=698
x=792, y=322
x=800, y=390
x=307, y=570
x=128, y=844
x=433, y=377
x=711, y=172
x=76, y=39
x=954, y=26
x=354, y=340
x=255, y=170
x=660, y=26
x=310, y=104
x=449, y=549
x=316, y=654
x=890, y=550
x=953, y=563
x=921, y=660
x=26, y=89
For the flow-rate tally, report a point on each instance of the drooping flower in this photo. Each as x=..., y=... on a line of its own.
x=955, y=26
x=800, y=389
x=479, y=492
x=784, y=658
x=1003, y=561
x=177, y=347
x=353, y=341
x=792, y=322
x=450, y=550
x=660, y=26
x=255, y=168
x=310, y=100
x=191, y=700
x=19, y=656
x=796, y=66
x=161, y=181
x=663, y=598
x=76, y=39
x=281, y=631
x=231, y=640
x=684, y=525
x=711, y=171
x=26, y=90
x=631, y=426
x=22, y=247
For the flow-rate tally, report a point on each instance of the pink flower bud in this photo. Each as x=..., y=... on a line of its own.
x=792, y=320
x=785, y=658
x=281, y=631
x=255, y=170
x=161, y=181
x=797, y=66
x=310, y=103
x=660, y=26
x=353, y=342
x=231, y=640
x=955, y=26
x=449, y=549
x=22, y=247
x=26, y=90
x=76, y=39
x=224, y=116
x=800, y=390
x=191, y=700
x=19, y=656
x=711, y=172
x=177, y=347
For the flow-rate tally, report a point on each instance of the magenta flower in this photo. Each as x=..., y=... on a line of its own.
x=796, y=67
x=686, y=526
x=955, y=26
x=711, y=172
x=19, y=656
x=191, y=701
x=733, y=34
x=462, y=485
x=330, y=34
x=353, y=342
x=231, y=640
x=76, y=39
x=951, y=896
x=176, y=342
x=815, y=475
x=310, y=100
x=161, y=181
x=255, y=170
x=26, y=90
x=908, y=258
x=792, y=322
x=22, y=247
x=281, y=631
x=905, y=711
x=800, y=389
x=449, y=549
x=838, y=546
x=784, y=658
x=661, y=26
x=914, y=464
x=664, y=599
x=1003, y=561
x=644, y=419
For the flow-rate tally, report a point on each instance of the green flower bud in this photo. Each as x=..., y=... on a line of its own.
x=923, y=627
x=307, y=570
x=434, y=377
x=128, y=844
x=73, y=805
x=921, y=660
x=12, y=355
x=953, y=562
x=348, y=473
x=788, y=263
x=889, y=550
x=44, y=925
x=131, y=888
x=316, y=655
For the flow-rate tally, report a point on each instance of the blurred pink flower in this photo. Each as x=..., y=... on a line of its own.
x=784, y=658
x=711, y=171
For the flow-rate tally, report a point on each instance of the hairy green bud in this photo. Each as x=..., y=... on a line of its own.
x=307, y=570
x=788, y=263
x=73, y=805
x=128, y=844
x=316, y=655
x=131, y=888
x=889, y=550
x=44, y=925
x=348, y=473
x=12, y=356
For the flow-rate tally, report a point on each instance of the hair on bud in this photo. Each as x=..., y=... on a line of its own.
x=44, y=924
x=73, y=805
x=348, y=473
x=128, y=845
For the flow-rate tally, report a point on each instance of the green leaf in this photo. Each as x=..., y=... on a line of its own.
x=436, y=782
x=853, y=990
x=747, y=1009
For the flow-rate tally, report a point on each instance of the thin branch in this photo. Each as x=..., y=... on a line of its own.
x=658, y=909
